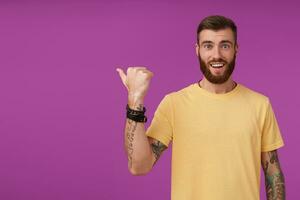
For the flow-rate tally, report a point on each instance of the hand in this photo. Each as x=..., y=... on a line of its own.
x=137, y=80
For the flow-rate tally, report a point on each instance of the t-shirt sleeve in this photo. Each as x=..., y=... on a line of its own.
x=271, y=135
x=161, y=127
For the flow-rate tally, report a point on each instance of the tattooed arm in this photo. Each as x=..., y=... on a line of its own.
x=137, y=146
x=274, y=179
x=157, y=149
x=143, y=152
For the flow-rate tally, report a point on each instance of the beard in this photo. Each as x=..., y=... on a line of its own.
x=205, y=68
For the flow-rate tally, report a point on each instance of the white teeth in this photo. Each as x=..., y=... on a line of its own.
x=217, y=65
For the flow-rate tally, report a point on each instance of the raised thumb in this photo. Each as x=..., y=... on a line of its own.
x=122, y=76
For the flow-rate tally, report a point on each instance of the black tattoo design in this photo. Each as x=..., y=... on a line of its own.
x=131, y=127
x=157, y=148
x=274, y=181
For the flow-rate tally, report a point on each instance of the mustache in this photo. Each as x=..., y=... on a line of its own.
x=218, y=60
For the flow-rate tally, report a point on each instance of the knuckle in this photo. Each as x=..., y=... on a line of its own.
x=136, y=69
x=129, y=69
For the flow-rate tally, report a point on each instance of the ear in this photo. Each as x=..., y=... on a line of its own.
x=236, y=48
x=197, y=49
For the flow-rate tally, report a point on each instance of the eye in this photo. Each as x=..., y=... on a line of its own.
x=225, y=46
x=207, y=46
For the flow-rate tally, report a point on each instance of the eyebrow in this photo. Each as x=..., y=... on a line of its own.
x=210, y=42
x=206, y=42
x=226, y=41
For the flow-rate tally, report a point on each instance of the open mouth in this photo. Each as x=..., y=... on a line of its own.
x=217, y=65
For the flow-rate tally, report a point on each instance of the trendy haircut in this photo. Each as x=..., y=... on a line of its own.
x=216, y=23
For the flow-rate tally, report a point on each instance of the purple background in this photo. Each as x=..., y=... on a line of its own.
x=62, y=104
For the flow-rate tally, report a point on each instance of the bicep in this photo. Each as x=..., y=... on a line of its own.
x=157, y=148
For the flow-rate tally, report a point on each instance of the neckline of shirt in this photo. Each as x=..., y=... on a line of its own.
x=201, y=91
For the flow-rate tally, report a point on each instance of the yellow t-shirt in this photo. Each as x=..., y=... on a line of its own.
x=217, y=140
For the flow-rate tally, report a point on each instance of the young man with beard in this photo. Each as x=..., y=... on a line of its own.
x=221, y=131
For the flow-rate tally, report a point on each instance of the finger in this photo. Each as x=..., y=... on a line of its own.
x=147, y=72
x=122, y=76
x=140, y=67
x=136, y=68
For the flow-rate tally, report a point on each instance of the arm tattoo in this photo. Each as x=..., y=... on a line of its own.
x=274, y=181
x=157, y=148
x=275, y=186
x=131, y=127
x=129, y=142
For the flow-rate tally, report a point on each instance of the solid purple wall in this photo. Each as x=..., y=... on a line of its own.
x=62, y=104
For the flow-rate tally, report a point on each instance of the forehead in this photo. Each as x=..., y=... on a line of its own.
x=216, y=36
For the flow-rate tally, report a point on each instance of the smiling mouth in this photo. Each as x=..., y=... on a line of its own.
x=216, y=65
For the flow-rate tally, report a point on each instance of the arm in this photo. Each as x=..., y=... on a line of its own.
x=274, y=179
x=143, y=152
x=137, y=146
x=157, y=148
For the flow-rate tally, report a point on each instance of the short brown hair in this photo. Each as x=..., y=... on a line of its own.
x=217, y=22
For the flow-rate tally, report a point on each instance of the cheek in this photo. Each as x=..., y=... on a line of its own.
x=229, y=55
x=204, y=55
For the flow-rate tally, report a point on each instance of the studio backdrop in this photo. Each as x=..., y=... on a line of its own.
x=62, y=103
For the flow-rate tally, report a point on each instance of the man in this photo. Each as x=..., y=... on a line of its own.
x=221, y=131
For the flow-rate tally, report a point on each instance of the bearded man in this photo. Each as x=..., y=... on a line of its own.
x=221, y=131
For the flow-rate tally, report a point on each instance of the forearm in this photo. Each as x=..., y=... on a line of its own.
x=136, y=143
x=275, y=186
x=274, y=179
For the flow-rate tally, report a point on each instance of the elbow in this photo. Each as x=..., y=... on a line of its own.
x=139, y=171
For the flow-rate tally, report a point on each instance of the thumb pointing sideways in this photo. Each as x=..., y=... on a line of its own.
x=122, y=76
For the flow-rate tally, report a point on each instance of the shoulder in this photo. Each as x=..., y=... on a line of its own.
x=253, y=95
x=180, y=93
x=255, y=100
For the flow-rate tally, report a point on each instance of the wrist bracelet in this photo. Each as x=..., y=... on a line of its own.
x=137, y=118
x=135, y=112
x=136, y=115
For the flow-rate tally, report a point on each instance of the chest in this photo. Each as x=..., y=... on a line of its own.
x=221, y=124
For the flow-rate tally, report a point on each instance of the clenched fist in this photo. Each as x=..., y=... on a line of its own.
x=137, y=81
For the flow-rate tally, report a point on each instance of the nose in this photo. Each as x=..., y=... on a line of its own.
x=216, y=54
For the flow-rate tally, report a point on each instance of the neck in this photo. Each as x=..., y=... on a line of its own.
x=217, y=88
